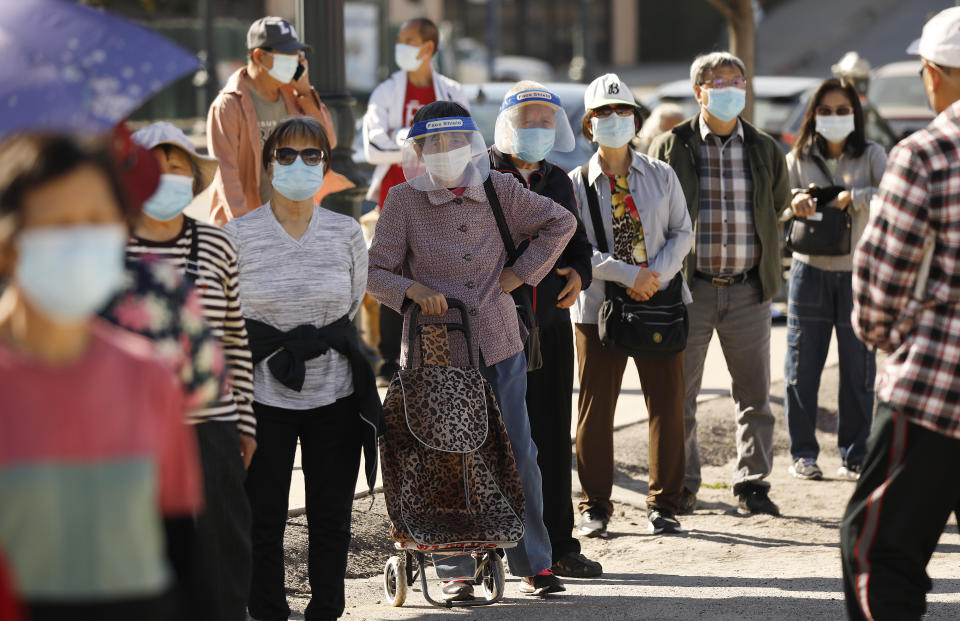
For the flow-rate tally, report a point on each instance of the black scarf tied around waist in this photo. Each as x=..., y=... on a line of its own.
x=294, y=347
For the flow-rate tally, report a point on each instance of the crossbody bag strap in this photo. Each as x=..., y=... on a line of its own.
x=192, y=267
x=494, y=201
x=594, y=205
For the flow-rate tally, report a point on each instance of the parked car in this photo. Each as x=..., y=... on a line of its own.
x=485, y=100
x=775, y=99
x=897, y=92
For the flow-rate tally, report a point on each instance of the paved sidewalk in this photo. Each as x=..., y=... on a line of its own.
x=630, y=407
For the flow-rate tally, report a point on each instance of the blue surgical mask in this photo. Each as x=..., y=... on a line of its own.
x=531, y=144
x=406, y=56
x=172, y=196
x=613, y=131
x=69, y=273
x=297, y=181
x=726, y=103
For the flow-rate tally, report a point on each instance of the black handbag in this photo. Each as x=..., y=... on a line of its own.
x=825, y=233
x=652, y=329
x=522, y=295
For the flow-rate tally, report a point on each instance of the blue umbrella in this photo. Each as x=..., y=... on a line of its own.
x=71, y=68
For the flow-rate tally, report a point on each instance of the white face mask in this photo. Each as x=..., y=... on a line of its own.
x=406, y=56
x=447, y=167
x=284, y=66
x=835, y=128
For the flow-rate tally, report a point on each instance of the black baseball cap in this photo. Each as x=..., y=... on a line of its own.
x=275, y=33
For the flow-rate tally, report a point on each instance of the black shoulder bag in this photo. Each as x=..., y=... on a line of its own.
x=522, y=296
x=828, y=231
x=652, y=329
x=192, y=267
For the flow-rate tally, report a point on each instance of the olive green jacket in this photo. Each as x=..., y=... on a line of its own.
x=680, y=147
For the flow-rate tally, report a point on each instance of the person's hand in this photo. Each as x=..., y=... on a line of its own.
x=647, y=283
x=248, y=446
x=843, y=200
x=431, y=302
x=568, y=295
x=302, y=85
x=509, y=280
x=636, y=295
x=803, y=205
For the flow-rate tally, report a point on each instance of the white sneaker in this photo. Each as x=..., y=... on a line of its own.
x=850, y=472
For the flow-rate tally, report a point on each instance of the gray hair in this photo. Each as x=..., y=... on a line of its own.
x=714, y=60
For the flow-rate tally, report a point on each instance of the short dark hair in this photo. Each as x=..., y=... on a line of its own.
x=439, y=110
x=426, y=29
x=31, y=160
x=586, y=128
x=297, y=127
x=809, y=138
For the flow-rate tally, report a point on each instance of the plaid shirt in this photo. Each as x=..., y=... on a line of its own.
x=919, y=197
x=727, y=241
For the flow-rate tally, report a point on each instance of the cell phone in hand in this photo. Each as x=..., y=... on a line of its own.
x=299, y=72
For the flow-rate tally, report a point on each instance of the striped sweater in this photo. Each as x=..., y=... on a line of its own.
x=216, y=281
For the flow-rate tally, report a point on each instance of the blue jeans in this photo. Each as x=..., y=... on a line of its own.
x=821, y=301
x=533, y=553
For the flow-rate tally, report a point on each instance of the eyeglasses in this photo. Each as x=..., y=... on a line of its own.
x=621, y=110
x=286, y=156
x=839, y=110
x=724, y=83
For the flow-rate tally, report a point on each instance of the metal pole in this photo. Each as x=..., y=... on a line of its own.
x=320, y=24
x=210, y=46
x=493, y=36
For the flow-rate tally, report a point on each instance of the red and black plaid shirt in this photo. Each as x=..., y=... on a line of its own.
x=919, y=196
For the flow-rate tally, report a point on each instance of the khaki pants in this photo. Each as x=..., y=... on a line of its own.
x=601, y=374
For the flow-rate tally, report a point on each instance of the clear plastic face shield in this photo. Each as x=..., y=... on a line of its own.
x=442, y=153
x=532, y=123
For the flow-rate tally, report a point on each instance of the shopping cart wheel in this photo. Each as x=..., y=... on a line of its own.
x=395, y=580
x=492, y=576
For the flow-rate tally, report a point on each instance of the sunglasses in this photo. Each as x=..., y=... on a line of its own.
x=839, y=110
x=286, y=156
x=605, y=111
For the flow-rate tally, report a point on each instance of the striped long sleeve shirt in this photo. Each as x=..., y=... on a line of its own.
x=217, y=283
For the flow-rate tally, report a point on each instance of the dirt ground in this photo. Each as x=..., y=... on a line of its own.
x=725, y=566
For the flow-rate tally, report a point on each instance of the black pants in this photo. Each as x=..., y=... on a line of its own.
x=224, y=526
x=391, y=331
x=549, y=402
x=330, y=456
x=906, y=493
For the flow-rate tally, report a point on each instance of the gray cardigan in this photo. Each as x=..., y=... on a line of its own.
x=861, y=175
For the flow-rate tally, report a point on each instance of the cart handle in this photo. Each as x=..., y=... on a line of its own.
x=463, y=326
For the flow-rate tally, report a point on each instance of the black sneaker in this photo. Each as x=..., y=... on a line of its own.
x=576, y=565
x=662, y=521
x=755, y=499
x=688, y=502
x=542, y=584
x=593, y=523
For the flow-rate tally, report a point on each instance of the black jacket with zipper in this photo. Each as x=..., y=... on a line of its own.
x=552, y=181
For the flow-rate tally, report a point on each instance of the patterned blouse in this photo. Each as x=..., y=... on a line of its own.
x=628, y=241
x=158, y=304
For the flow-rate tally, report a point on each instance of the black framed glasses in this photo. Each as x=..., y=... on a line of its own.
x=286, y=156
x=607, y=110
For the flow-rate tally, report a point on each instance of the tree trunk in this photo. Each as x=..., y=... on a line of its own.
x=739, y=15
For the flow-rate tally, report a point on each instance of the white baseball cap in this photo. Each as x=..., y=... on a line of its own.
x=161, y=132
x=940, y=41
x=606, y=90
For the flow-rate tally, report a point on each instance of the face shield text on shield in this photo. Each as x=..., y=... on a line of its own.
x=446, y=153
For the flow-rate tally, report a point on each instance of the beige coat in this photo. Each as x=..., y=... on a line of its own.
x=233, y=137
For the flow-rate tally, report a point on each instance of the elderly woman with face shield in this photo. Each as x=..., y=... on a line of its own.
x=531, y=124
x=647, y=227
x=95, y=460
x=438, y=237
